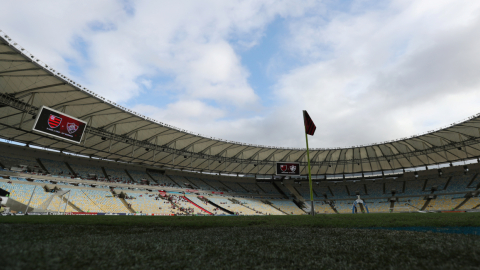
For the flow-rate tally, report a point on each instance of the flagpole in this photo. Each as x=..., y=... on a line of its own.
x=309, y=173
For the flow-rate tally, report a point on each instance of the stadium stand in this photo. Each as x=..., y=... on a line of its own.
x=458, y=183
x=241, y=197
x=375, y=189
x=163, y=180
x=118, y=175
x=216, y=185
x=199, y=183
x=235, y=187
x=446, y=202
x=415, y=203
x=321, y=191
x=182, y=181
x=472, y=203
x=288, y=207
x=149, y=203
x=260, y=207
x=303, y=190
x=378, y=205
x=205, y=205
x=438, y=182
x=268, y=188
x=84, y=171
x=357, y=187
x=339, y=191
x=234, y=207
x=415, y=187
x=323, y=208
x=140, y=176
x=252, y=188
x=55, y=167
x=285, y=190
x=19, y=163
x=393, y=185
x=344, y=207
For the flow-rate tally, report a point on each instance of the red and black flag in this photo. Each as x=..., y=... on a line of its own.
x=309, y=125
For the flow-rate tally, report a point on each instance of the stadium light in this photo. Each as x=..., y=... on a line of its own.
x=416, y=174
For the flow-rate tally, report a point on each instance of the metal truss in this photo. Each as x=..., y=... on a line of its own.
x=26, y=108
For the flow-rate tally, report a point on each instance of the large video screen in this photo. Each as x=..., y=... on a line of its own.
x=59, y=125
x=288, y=168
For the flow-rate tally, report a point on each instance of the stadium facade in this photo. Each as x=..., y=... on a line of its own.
x=128, y=155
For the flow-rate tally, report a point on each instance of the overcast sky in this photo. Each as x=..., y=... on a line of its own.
x=366, y=71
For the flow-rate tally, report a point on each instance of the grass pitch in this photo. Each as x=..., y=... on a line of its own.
x=270, y=242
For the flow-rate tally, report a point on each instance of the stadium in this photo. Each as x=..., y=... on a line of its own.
x=122, y=163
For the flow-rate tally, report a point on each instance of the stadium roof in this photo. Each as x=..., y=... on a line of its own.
x=117, y=133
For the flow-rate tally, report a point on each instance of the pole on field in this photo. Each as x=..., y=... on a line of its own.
x=312, y=210
x=309, y=130
x=33, y=192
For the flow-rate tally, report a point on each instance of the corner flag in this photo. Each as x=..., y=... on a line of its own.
x=309, y=125
x=310, y=130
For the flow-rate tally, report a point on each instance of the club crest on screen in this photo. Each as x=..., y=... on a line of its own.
x=54, y=121
x=293, y=168
x=283, y=167
x=71, y=127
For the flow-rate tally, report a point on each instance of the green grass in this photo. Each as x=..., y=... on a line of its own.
x=321, y=221
x=268, y=242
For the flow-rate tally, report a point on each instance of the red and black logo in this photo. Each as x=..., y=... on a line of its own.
x=54, y=121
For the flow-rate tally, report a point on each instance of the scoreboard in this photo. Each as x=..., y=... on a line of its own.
x=288, y=168
x=59, y=125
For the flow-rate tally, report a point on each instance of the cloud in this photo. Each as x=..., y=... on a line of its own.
x=366, y=72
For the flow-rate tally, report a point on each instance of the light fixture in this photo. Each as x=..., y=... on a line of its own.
x=416, y=174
